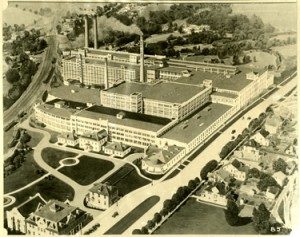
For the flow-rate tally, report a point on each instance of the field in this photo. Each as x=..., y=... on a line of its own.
x=49, y=189
x=126, y=179
x=88, y=170
x=287, y=50
x=198, y=218
x=263, y=59
x=23, y=175
x=133, y=216
x=160, y=37
x=52, y=156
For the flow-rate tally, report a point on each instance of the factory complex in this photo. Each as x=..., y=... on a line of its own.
x=168, y=107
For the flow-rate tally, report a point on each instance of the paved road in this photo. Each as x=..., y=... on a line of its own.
x=36, y=87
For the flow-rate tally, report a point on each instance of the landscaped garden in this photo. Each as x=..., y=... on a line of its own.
x=52, y=156
x=133, y=216
x=198, y=218
x=26, y=173
x=49, y=188
x=88, y=170
x=35, y=138
x=126, y=179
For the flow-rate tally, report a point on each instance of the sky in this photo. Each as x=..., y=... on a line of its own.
x=283, y=16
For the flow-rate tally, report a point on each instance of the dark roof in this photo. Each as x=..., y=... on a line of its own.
x=264, y=132
x=273, y=189
x=31, y=205
x=55, y=210
x=129, y=115
x=103, y=189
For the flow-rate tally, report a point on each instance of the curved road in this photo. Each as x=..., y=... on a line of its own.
x=37, y=86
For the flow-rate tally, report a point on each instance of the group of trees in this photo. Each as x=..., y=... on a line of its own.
x=280, y=165
x=266, y=181
x=15, y=161
x=169, y=205
x=209, y=167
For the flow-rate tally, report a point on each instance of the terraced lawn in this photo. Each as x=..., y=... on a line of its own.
x=49, y=189
x=52, y=156
x=88, y=170
x=126, y=179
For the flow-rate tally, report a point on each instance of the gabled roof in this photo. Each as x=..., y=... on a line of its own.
x=273, y=190
x=273, y=121
x=279, y=177
x=31, y=205
x=103, y=189
x=55, y=211
x=117, y=146
x=157, y=155
x=97, y=136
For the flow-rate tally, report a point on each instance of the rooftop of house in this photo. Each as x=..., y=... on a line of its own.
x=279, y=177
x=131, y=119
x=30, y=205
x=103, y=189
x=97, y=136
x=55, y=211
x=273, y=120
x=77, y=94
x=197, y=122
x=235, y=82
x=264, y=132
x=162, y=91
x=246, y=211
x=160, y=156
x=117, y=146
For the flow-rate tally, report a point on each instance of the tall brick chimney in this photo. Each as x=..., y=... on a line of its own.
x=141, y=58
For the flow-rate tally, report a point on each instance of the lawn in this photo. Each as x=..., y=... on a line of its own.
x=133, y=216
x=35, y=138
x=126, y=179
x=7, y=138
x=52, y=156
x=88, y=170
x=49, y=189
x=23, y=175
x=199, y=219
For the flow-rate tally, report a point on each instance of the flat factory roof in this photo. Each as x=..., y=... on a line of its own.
x=163, y=91
x=196, y=123
x=235, y=83
x=225, y=94
x=79, y=94
x=131, y=119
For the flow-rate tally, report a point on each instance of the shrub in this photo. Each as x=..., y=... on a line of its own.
x=209, y=167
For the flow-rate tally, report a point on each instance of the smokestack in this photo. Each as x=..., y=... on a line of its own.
x=105, y=74
x=141, y=58
x=95, y=32
x=86, y=32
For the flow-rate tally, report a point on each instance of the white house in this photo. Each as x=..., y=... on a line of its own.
x=261, y=137
x=101, y=196
x=69, y=139
x=93, y=141
x=16, y=217
x=234, y=172
x=213, y=196
x=272, y=192
x=279, y=177
x=273, y=124
x=116, y=149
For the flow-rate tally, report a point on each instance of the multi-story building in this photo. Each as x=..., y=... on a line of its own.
x=163, y=99
x=16, y=216
x=56, y=218
x=93, y=141
x=101, y=196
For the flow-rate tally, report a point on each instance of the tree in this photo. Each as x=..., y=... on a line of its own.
x=261, y=219
x=164, y=212
x=236, y=60
x=12, y=76
x=169, y=205
x=14, y=92
x=58, y=28
x=25, y=138
x=231, y=213
x=192, y=184
x=280, y=165
x=150, y=224
x=144, y=230
x=254, y=172
x=209, y=167
x=136, y=232
x=157, y=217
x=266, y=181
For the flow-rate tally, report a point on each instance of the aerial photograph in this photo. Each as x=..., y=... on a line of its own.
x=140, y=117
